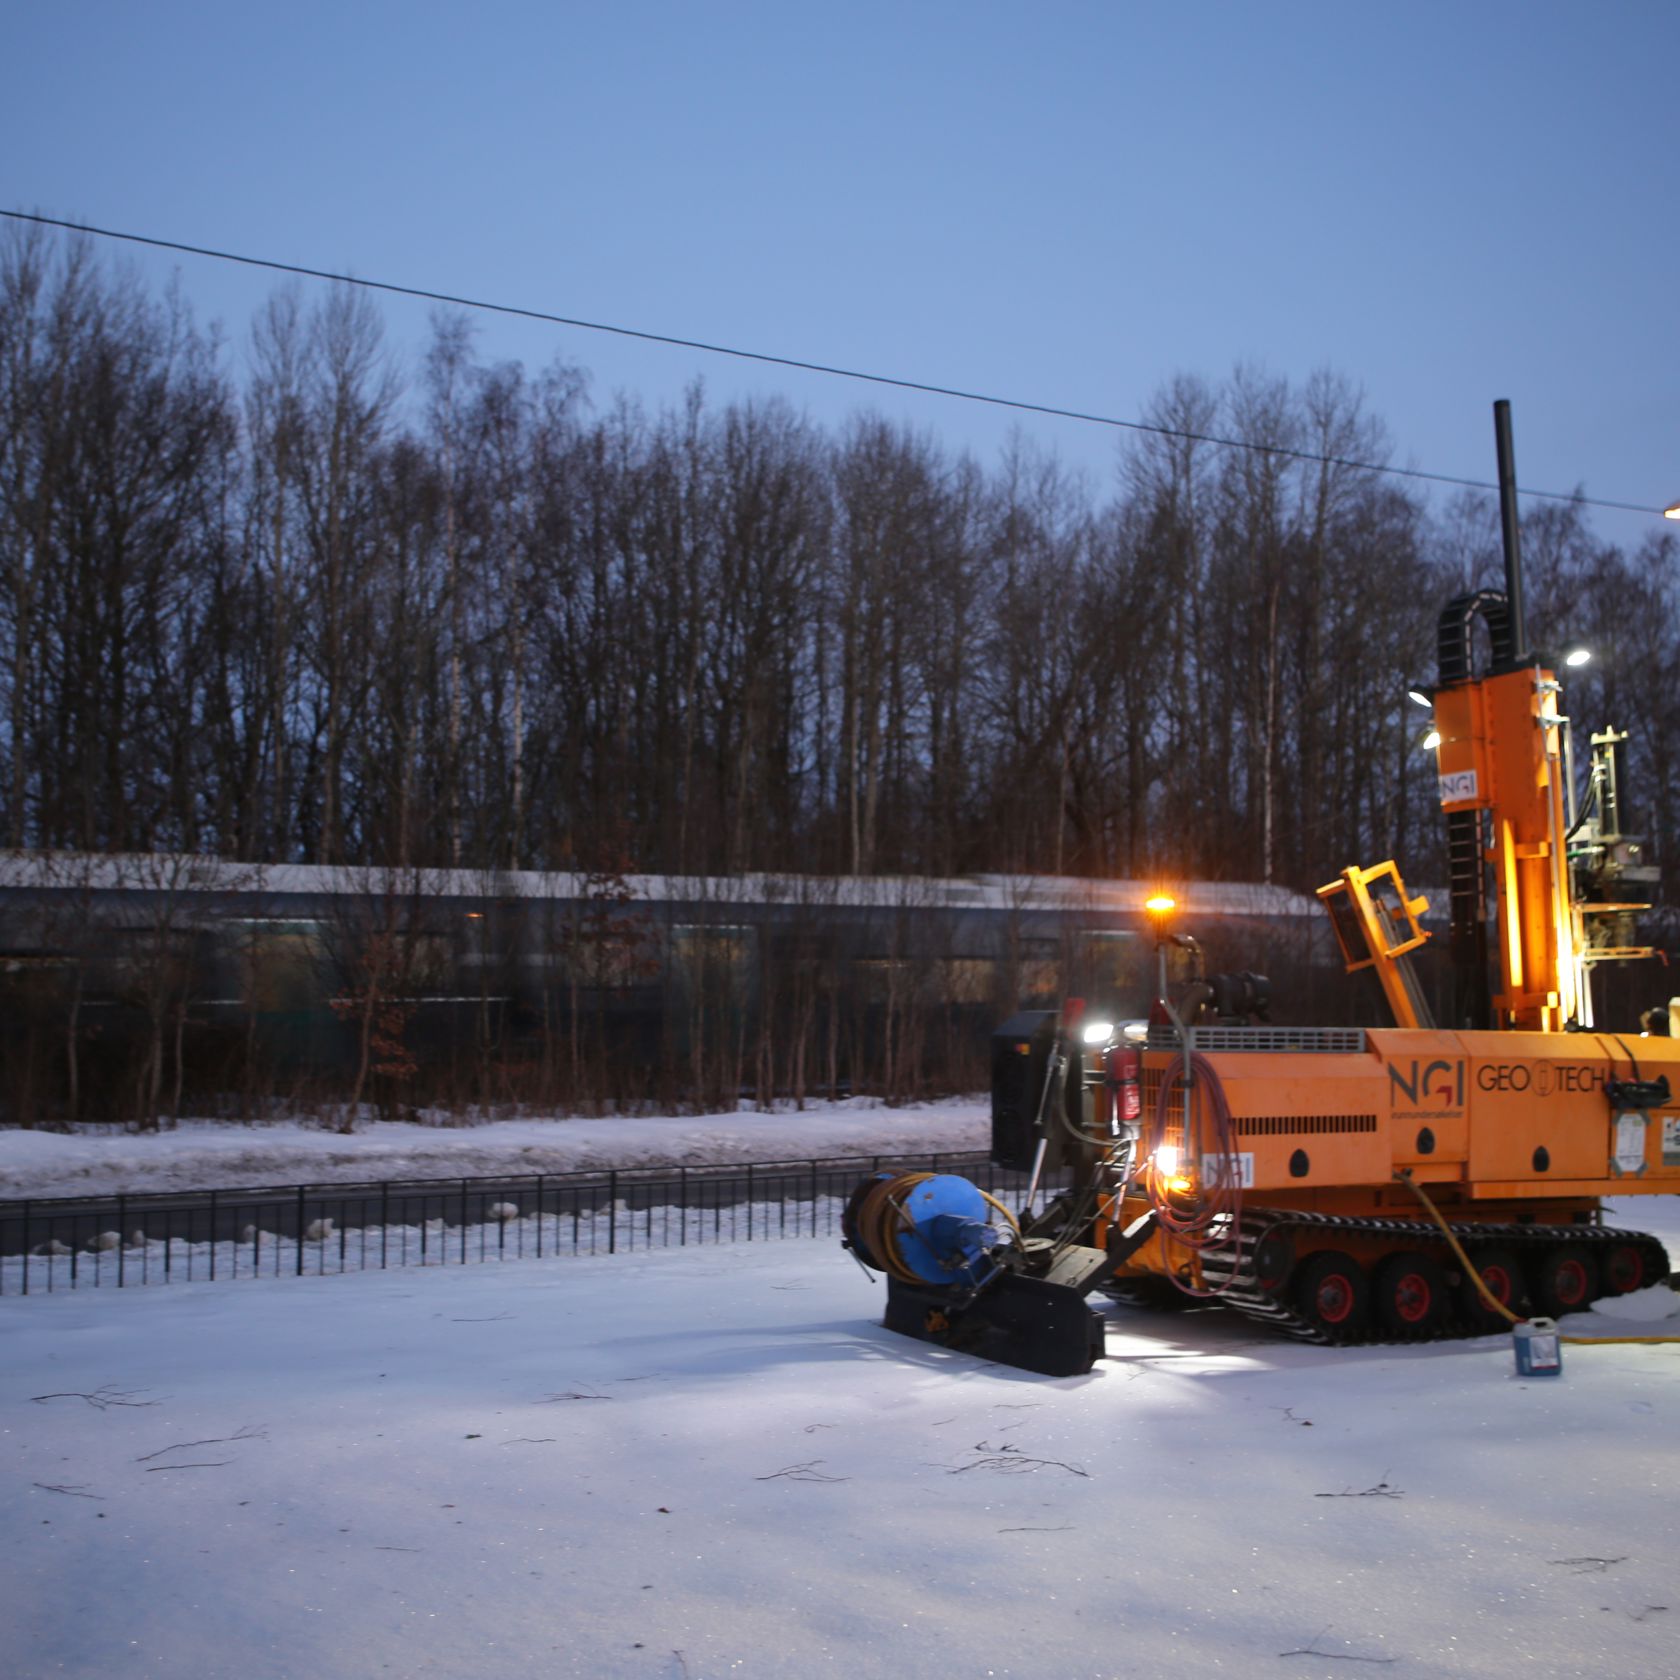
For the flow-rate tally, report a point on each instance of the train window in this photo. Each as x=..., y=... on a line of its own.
x=969, y=979
x=598, y=959
x=1117, y=966
x=1038, y=980
x=880, y=978
x=927, y=980
x=283, y=963
x=703, y=954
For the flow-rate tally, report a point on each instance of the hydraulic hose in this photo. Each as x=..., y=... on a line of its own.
x=1213, y=1221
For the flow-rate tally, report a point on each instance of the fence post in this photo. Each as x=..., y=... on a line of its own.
x=122, y=1231
x=749, y=1200
x=612, y=1211
x=463, y=1222
x=28, y=1208
x=682, y=1210
x=540, y=1177
x=212, y=1236
x=384, y=1219
x=300, y=1231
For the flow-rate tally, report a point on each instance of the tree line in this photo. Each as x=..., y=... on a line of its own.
x=273, y=601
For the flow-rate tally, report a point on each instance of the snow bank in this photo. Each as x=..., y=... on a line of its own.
x=1643, y=1306
x=211, y=1155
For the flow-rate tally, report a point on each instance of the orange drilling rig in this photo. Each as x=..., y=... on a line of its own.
x=1339, y=1184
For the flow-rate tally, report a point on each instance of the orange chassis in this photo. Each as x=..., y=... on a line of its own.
x=1497, y=1128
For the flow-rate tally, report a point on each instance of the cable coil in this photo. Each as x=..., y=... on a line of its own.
x=876, y=1219
x=1212, y=1221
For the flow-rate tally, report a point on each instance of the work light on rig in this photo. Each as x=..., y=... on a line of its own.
x=1169, y=1175
x=1162, y=910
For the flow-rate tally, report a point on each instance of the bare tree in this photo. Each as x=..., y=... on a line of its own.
x=348, y=393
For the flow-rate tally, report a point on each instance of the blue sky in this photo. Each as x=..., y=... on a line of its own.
x=1063, y=202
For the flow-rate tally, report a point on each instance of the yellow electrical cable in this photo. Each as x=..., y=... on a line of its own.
x=873, y=1223
x=1008, y=1218
x=1404, y=1175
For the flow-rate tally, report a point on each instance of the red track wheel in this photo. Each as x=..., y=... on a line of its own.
x=1625, y=1269
x=1502, y=1273
x=1411, y=1295
x=1332, y=1295
x=1563, y=1280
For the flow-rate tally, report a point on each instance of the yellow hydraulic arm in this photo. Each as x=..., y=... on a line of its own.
x=1376, y=923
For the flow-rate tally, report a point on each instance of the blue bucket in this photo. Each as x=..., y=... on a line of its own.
x=1539, y=1352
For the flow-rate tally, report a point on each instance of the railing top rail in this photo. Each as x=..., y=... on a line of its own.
x=455, y=1182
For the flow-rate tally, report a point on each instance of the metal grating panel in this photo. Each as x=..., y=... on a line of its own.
x=1321, y=1041
x=1289, y=1125
x=1153, y=1079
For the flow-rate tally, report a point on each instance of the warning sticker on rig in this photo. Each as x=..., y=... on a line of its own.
x=1670, y=1141
x=1629, y=1156
x=1228, y=1172
x=1461, y=784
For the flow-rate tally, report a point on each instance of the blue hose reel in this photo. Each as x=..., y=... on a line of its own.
x=940, y=1227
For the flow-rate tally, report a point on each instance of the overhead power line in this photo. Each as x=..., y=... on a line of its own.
x=1016, y=403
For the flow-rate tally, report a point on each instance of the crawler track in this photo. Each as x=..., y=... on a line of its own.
x=1232, y=1274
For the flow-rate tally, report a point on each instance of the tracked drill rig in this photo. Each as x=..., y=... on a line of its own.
x=1310, y=1177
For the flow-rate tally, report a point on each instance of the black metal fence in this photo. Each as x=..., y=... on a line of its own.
x=307, y=1230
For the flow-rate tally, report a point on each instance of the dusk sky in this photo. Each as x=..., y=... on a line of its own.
x=1066, y=203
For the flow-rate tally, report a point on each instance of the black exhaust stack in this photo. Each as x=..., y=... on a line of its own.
x=1508, y=633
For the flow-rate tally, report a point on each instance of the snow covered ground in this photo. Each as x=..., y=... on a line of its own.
x=201, y=1155
x=692, y=1464
x=712, y=1463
